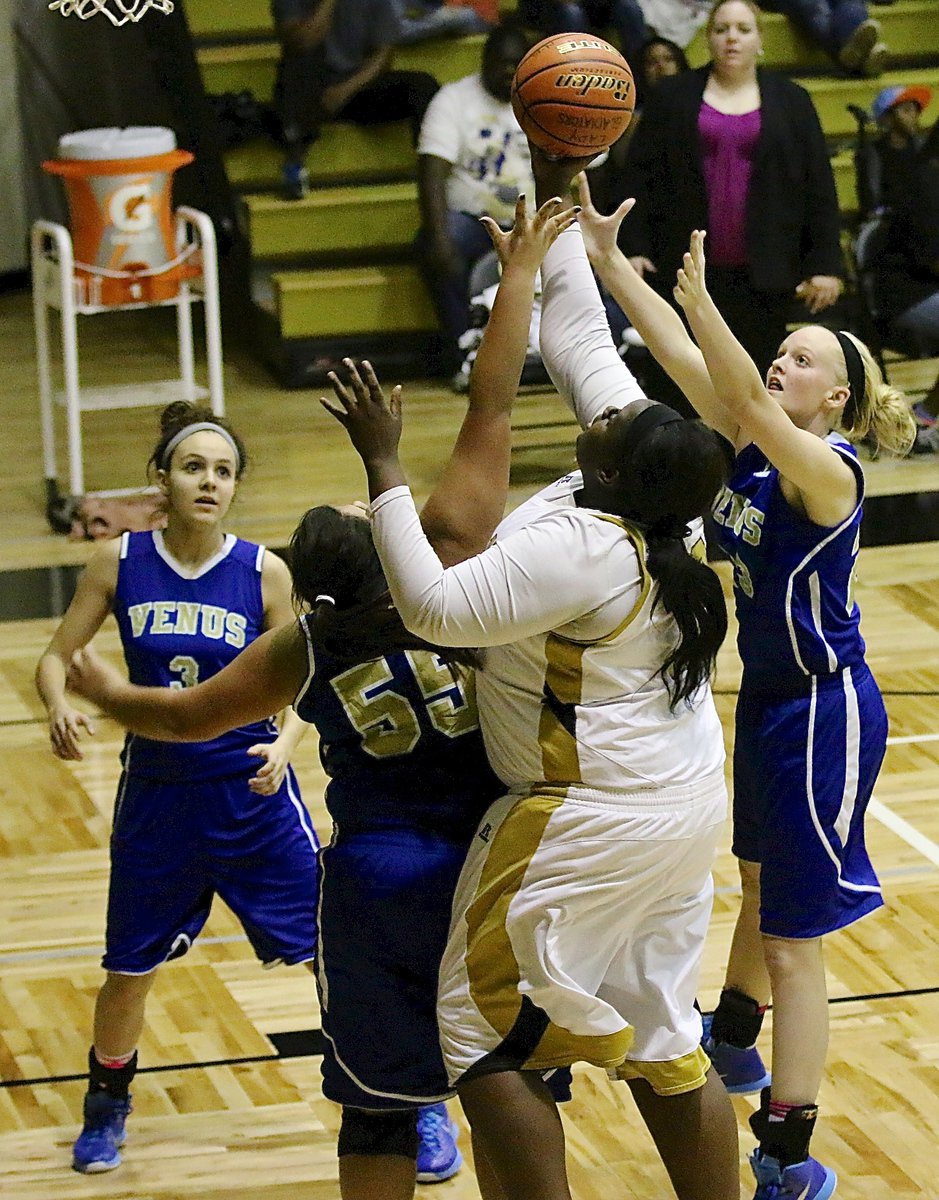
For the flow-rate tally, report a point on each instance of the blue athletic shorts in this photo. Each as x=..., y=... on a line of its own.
x=384, y=916
x=804, y=771
x=175, y=846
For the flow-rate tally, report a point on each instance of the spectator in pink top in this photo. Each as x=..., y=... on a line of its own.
x=737, y=150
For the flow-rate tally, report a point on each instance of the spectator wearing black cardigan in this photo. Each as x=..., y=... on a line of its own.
x=739, y=151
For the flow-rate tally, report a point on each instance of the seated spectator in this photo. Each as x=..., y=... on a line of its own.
x=659, y=59
x=901, y=172
x=335, y=60
x=842, y=28
x=423, y=19
x=593, y=16
x=472, y=160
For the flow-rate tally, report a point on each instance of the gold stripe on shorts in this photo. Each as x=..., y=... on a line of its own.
x=685, y=1074
x=491, y=968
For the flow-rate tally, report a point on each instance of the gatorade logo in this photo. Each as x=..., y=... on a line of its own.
x=130, y=208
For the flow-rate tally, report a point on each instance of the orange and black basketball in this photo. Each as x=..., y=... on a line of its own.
x=573, y=94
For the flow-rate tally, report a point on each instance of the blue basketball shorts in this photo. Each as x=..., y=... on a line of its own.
x=384, y=916
x=175, y=846
x=804, y=771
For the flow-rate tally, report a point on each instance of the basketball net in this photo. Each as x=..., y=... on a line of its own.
x=118, y=12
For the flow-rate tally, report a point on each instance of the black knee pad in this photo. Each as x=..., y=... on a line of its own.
x=375, y=1133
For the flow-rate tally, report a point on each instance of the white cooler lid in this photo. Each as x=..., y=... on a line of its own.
x=136, y=141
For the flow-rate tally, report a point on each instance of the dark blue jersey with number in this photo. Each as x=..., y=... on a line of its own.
x=400, y=740
x=792, y=578
x=179, y=628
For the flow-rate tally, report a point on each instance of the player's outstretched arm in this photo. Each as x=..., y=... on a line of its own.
x=821, y=475
x=576, y=344
x=263, y=679
x=469, y=498
x=658, y=324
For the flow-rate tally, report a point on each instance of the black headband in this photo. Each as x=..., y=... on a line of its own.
x=644, y=423
x=855, y=367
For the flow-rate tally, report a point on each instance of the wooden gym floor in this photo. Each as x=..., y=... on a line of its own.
x=228, y=1106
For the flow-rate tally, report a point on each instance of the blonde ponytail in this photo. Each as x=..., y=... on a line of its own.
x=884, y=413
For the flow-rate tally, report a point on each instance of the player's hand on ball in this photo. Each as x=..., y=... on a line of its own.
x=526, y=243
x=599, y=232
x=372, y=422
x=90, y=676
x=554, y=176
x=690, y=289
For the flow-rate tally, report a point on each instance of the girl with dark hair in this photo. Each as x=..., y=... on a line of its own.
x=580, y=914
x=660, y=58
x=811, y=726
x=191, y=821
x=400, y=741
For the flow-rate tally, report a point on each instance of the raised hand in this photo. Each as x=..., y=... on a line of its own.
x=527, y=242
x=691, y=289
x=372, y=422
x=554, y=176
x=599, y=232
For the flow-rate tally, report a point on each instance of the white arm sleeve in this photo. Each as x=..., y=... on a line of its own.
x=538, y=579
x=576, y=344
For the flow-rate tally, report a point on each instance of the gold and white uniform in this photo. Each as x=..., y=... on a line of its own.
x=581, y=910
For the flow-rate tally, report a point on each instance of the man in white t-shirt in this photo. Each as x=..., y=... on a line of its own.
x=472, y=160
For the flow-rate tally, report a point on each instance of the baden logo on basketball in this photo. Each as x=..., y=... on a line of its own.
x=582, y=84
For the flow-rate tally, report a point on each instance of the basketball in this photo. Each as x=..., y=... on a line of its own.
x=573, y=95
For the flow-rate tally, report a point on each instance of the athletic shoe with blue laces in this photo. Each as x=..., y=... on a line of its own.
x=438, y=1157
x=98, y=1146
x=807, y=1180
x=742, y=1071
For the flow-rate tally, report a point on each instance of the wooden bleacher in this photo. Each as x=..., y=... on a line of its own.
x=339, y=265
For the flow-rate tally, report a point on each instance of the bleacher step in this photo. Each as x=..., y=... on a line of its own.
x=832, y=96
x=253, y=65
x=344, y=153
x=375, y=218
x=380, y=300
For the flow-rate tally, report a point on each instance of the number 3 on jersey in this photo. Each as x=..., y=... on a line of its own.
x=188, y=670
x=387, y=721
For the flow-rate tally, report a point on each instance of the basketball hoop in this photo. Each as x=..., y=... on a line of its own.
x=118, y=12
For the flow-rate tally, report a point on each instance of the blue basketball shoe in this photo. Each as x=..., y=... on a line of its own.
x=98, y=1146
x=807, y=1180
x=438, y=1157
x=742, y=1071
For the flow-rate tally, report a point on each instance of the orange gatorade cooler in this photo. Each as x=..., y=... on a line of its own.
x=119, y=185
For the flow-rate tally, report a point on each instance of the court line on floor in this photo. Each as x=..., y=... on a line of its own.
x=307, y=1043
x=903, y=829
x=909, y=738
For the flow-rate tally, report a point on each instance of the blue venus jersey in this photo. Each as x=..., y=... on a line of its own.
x=400, y=740
x=792, y=578
x=179, y=630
